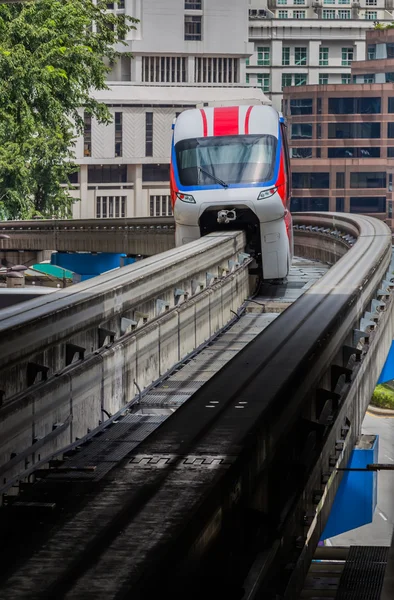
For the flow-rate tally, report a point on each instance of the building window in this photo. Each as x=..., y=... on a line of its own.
x=285, y=56
x=371, y=2
x=160, y=206
x=263, y=81
x=282, y=2
x=389, y=78
x=216, y=70
x=247, y=79
x=300, y=56
x=301, y=152
x=120, y=4
x=263, y=56
x=340, y=180
x=311, y=180
x=323, y=78
x=301, y=131
x=328, y=1
x=164, y=69
x=323, y=57
x=247, y=62
x=351, y=106
x=309, y=204
x=298, y=2
x=300, y=79
x=390, y=152
x=328, y=13
x=343, y=1
x=301, y=106
x=371, y=15
x=340, y=205
x=299, y=14
x=87, y=135
x=390, y=50
x=371, y=51
x=391, y=105
x=353, y=130
x=341, y=152
x=107, y=174
x=344, y=14
x=155, y=173
x=118, y=133
x=345, y=78
x=283, y=14
x=193, y=28
x=390, y=130
x=193, y=4
x=375, y=204
x=287, y=80
x=347, y=56
x=149, y=134
x=368, y=180
x=318, y=152
x=111, y=207
x=319, y=106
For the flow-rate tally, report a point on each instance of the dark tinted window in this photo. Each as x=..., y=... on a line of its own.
x=340, y=205
x=74, y=177
x=301, y=153
x=373, y=204
x=390, y=130
x=107, y=173
x=318, y=152
x=391, y=105
x=230, y=158
x=301, y=131
x=368, y=180
x=353, y=130
x=307, y=204
x=301, y=106
x=155, y=172
x=340, y=180
x=390, y=50
x=351, y=106
x=311, y=180
x=390, y=152
x=389, y=77
x=343, y=152
x=148, y=134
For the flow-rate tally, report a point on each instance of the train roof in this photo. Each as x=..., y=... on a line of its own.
x=227, y=120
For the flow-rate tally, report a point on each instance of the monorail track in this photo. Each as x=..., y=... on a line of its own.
x=60, y=489
x=224, y=479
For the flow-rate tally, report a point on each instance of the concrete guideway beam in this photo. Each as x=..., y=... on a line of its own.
x=145, y=236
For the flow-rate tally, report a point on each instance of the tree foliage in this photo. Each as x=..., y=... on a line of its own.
x=53, y=54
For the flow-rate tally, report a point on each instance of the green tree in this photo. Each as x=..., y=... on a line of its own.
x=53, y=54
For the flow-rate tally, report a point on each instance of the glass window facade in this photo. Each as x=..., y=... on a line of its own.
x=301, y=152
x=323, y=56
x=300, y=131
x=107, y=173
x=353, y=130
x=300, y=56
x=263, y=56
x=300, y=79
x=301, y=106
x=342, y=152
x=347, y=56
x=285, y=56
x=351, y=106
x=372, y=204
x=311, y=180
x=323, y=78
x=368, y=180
x=309, y=204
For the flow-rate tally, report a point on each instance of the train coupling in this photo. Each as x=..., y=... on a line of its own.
x=225, y=216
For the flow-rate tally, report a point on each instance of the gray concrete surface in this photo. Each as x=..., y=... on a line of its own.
x=379, y=532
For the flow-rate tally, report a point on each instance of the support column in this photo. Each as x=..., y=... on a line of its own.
x=136, y=177
x=85, y=211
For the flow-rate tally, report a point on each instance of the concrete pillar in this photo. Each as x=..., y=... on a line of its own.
x=313, y=53
x=83, y=185
x=136, y=175
x=190, y=69
x=276, y=53
x=359, y=50
x=130, y=207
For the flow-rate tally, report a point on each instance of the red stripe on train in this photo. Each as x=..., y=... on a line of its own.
x=247, y=119
x=204, y=122
x=225, y=120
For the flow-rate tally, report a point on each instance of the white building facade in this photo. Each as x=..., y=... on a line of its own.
x=190, y=53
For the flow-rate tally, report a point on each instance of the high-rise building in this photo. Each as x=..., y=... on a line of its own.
x=300, y=42
x=342, y=137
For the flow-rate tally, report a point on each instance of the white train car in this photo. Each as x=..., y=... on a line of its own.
x=230, y=169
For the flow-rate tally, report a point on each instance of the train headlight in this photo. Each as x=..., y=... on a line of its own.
x=267, y=193
x=186, y=198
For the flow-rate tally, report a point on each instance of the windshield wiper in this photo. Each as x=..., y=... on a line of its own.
x=220, y=181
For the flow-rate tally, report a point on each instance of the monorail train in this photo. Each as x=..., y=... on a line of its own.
x=230, y=169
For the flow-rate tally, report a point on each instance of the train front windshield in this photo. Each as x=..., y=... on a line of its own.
x=226, y=160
